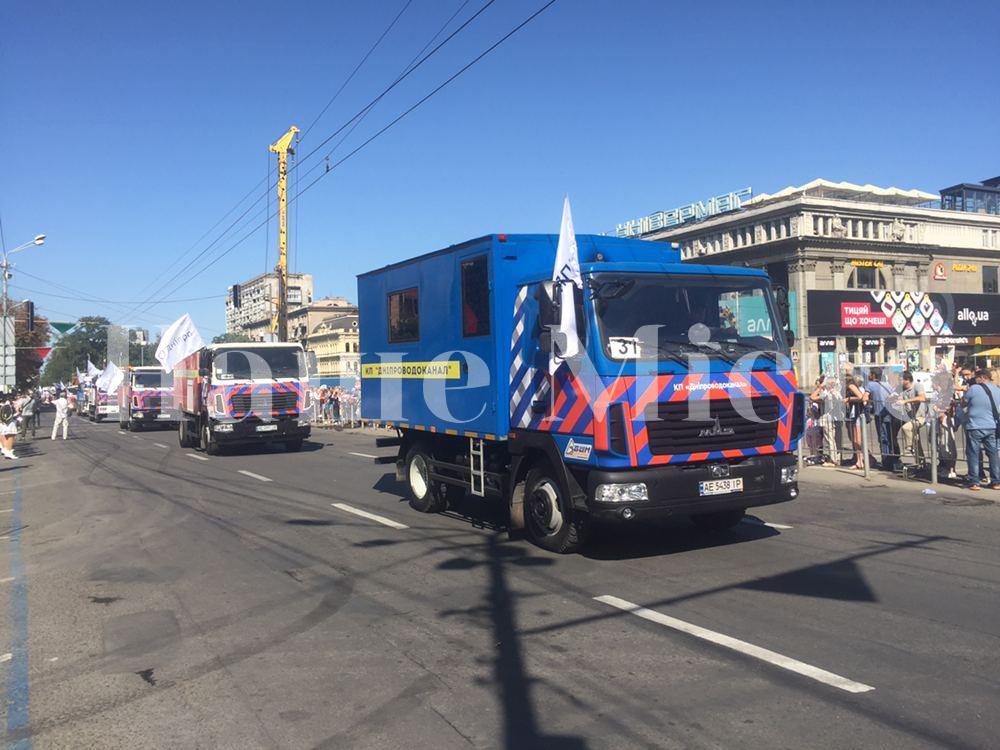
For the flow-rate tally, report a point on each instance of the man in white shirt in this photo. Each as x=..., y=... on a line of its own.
x=62, y=415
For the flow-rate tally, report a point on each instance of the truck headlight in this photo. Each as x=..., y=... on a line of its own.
x=789, y=474
x=137, y=414
x=621, y=493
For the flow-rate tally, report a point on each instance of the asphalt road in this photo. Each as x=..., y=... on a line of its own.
x=154, y=597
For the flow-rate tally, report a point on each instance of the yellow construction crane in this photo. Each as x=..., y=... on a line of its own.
x=282, y=147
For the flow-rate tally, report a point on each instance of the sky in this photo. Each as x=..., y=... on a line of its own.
x=130, y=129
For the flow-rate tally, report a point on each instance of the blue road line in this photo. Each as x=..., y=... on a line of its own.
x=18, y=716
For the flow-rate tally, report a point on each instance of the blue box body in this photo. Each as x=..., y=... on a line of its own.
x=513, y=260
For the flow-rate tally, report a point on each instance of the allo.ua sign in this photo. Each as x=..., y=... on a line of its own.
x=833, y=313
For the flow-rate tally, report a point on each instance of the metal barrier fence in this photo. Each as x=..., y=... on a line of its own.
x=932, y=449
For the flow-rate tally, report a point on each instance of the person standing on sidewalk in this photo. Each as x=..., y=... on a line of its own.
x=878, y=395
x=981, y=420
x=913, y=400
x=28, y=407
x=62, y=415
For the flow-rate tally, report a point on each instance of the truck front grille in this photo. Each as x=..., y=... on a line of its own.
x=726, y=426
x=243, y=403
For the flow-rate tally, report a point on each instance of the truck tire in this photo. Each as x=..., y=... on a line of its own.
x=208, y=446
x=184, y=436
x=549, y=521
x=426, y=496
x=134, y=426
x=714, y=523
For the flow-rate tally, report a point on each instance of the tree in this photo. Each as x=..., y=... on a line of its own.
x=89, y=340
x=232, y=338
x=27, y=360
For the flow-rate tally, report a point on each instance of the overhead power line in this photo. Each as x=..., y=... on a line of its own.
x=319, y=146
x=357, y=67
x=377, y=134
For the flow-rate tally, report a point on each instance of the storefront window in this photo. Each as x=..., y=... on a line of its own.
x=989, y=279
x=866, y=278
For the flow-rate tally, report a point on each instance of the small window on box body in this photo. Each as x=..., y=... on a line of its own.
x=404, y=316
x=475, y=297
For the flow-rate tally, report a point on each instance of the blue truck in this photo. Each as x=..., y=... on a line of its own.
x=681, y=399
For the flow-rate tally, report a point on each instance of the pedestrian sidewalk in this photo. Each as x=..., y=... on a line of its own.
x=844, y=477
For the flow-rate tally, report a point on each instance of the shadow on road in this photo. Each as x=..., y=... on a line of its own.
x=520, y=724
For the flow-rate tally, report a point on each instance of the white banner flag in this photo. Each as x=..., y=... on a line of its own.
x=180, y=340
x=110, y=378
x=92, y=369
x=566, y=270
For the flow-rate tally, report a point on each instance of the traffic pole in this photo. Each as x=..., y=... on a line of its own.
x=864, y=443
x=934, y=451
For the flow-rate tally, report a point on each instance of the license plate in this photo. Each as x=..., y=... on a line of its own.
x=163, y=416
x=720, y=486
x=267, y=428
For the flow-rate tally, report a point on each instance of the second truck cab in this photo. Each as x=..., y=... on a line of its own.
x=229, y=394
x=146, y=398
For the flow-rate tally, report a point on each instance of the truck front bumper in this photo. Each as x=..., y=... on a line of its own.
x=257, y=430
x=674, y=489
x=152, y=416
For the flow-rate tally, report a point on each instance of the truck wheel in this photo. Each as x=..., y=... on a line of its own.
x=722, y=520
x=549, y=521
x=209, y=446
x=426, y=496
x=184, y=437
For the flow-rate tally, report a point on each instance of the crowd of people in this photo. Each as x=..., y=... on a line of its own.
x=22, y=412
x=336, y=405
x=956, y=401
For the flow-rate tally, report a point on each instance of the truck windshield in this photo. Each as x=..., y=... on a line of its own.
x=262, y=363
x=691, y=312
x=152, y=379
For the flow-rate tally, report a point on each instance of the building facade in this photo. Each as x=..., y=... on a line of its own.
x=302, y=320
x=875, y=275
x=258, y=298
x=336, y=342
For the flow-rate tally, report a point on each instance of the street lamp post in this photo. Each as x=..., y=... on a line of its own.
x=5, y=269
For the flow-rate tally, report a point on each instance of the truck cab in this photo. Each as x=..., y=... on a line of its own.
x=677, y=399
x=232, y=394
x=146, y=398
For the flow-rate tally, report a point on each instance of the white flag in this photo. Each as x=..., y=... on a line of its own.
x=180, y=340
x=566, y=270
x=110, y=378
x=92, y=369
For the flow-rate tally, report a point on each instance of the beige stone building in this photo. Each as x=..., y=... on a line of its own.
x=927, y=276
x=337, y=346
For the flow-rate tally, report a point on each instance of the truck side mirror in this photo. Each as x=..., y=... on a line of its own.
x=552, y=340
x=203, y=372
x=790, y=337
x=545, y=340
x=781, y=300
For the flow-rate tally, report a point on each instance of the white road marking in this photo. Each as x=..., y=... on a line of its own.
x=779, y=526
x=122, y=432
x=363, y=455
x=8, y=510
x=4, y=657
x=136, y=437
x=54, y=658
x=6, y=580
x=371, y=516
x=161, y=445
x=778, y=660
x=253, y=476
x=196, y=456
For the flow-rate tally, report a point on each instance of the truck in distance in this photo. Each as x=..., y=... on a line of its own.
x=146, y=398
x=681, y=399
x=245, y=393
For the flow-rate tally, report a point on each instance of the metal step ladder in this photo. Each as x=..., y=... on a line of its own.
x=477, y=467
